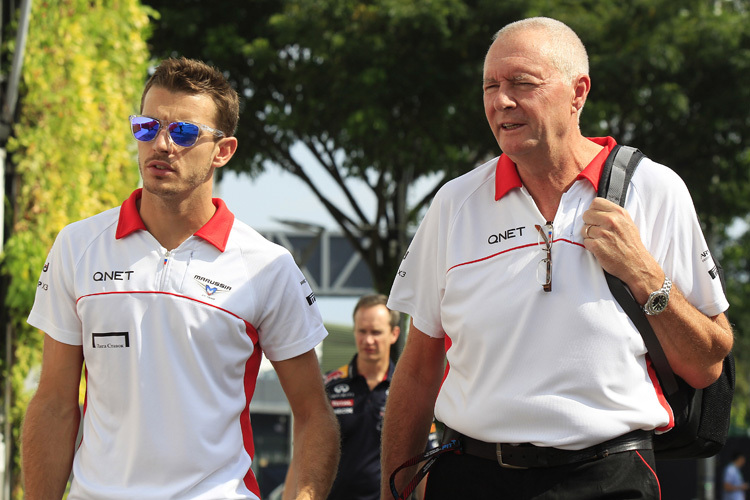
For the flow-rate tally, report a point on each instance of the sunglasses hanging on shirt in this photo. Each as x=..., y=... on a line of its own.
x=544, y=269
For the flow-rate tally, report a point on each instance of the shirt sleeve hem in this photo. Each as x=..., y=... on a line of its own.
x=298, y=348
x=64, y=336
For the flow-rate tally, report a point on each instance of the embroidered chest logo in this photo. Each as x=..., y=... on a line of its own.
x=110, y=340
x=496, y=238
x=211, y=287
x=341, y=388
x=340, y=392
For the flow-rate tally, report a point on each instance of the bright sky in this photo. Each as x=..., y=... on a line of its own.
x=274, y=195
x=278, y=195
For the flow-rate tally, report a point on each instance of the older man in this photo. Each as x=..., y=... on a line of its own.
x=548, y=387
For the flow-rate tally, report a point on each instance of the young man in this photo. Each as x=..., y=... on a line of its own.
x=170, y=302
x=548, y=385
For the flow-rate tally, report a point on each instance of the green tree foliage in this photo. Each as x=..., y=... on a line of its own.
x=82, y=76
x=668, y=77
x=735, y=260
x=385, y=91
x=389, y=91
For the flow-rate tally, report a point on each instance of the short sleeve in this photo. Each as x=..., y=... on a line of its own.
x=419, y=284
x=54, y=310
x=663, y=209
x=290, y=323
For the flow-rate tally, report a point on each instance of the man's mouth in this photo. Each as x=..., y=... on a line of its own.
x=510, y=126
x=159, y=165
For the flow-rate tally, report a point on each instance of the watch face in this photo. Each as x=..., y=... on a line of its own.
x=659, y=303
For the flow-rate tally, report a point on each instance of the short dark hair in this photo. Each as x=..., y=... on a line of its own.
x=379, y=299
x=195, y=77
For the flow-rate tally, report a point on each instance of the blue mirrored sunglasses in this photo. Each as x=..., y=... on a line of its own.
x=183, y=134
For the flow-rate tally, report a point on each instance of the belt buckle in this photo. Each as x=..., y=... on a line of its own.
x=499, y=453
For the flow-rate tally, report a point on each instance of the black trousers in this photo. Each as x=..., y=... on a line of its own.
x=627, y=475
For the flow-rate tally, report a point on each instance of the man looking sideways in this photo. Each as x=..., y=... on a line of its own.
x=170, y=302
x=548, y=386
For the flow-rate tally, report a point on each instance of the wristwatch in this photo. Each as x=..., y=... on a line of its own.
x=659, y=299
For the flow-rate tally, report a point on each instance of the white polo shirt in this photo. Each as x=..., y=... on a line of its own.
x=565, y=368
x=172, y=342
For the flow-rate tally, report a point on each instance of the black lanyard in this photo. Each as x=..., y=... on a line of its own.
x=431, y=456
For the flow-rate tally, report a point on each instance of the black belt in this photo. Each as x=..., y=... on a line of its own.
x=526, y=455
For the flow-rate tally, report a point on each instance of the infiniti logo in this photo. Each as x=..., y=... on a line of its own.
x=341, y=388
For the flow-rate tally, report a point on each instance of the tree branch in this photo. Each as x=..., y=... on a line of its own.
x=334, y=172
x=349, y=227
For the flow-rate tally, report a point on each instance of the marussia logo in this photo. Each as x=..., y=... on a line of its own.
x=211, y=287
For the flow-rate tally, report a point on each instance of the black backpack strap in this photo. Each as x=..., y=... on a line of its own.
x=613, y=185
x=617, y=172
x=655, y=352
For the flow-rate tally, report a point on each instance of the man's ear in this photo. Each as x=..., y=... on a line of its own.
x=226, y=148
x=581, y=89
x=394, y=334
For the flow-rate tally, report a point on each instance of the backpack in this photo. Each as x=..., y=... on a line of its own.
x=701, y=416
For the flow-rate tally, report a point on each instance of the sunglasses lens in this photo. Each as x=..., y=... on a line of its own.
x=184, y=133
x=144, y=128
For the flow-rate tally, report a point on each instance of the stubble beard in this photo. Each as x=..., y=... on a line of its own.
x=176, y=188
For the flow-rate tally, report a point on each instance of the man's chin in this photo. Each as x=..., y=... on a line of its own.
x=515, y=147
x=162, y=190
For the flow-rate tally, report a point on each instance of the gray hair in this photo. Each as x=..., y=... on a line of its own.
x=566, y=52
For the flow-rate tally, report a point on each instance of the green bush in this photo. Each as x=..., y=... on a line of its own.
x=71, y=150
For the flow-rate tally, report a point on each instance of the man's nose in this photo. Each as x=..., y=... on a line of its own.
x=162, y=141
x=503, y=99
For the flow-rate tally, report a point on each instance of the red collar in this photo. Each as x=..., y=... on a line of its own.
x=507, y=178
x=215, y=231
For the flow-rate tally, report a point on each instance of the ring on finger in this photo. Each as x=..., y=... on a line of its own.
x=588, y=228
